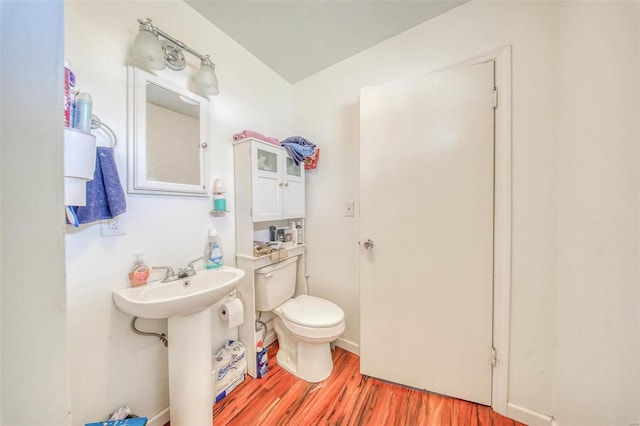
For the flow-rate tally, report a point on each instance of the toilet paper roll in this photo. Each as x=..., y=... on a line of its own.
x=232, y=313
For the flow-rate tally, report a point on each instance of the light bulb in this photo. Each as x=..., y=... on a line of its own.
x=147, y=50
x=206, y=80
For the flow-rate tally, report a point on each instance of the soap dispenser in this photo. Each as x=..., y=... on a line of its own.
x=219, y=199
x=140, y=272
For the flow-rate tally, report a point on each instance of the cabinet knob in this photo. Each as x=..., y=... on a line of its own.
x=280, y=184
x=286, y=184
x=204, y=145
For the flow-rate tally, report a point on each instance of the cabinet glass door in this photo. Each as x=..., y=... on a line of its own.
x=268, y=161
x=267, y=182
x=293, y=169
x=294, y=201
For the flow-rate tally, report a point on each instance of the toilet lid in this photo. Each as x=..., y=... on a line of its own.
x=312, y=311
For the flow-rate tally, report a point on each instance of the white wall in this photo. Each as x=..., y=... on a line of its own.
x=110, y=365
x=561, y=305
x=35, y=371
x=596, y=333
x=462, y=33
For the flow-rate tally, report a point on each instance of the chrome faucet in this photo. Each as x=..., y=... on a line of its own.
x=189, y=270
x=170, y=275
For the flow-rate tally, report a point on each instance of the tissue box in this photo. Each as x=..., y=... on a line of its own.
x=229, y=369
x=138, y=421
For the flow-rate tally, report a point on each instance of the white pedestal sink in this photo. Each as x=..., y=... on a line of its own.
x=186, y=304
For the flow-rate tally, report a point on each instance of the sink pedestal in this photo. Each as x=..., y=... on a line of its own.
x=186, y=303
x=190, y=392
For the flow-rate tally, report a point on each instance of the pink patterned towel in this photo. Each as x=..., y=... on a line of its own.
x=251, y=134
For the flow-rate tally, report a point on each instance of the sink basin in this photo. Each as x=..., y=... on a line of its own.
x=182, y=297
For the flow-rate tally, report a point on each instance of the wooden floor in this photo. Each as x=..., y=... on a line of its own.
x=345, y=398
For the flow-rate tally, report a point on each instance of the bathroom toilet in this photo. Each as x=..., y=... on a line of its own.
x=305, y=325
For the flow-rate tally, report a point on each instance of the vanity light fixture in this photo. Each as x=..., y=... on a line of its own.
x=154, y=49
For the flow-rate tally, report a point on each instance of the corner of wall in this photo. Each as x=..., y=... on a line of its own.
x=35, y=382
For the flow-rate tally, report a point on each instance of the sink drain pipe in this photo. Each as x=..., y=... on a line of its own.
x=161, y=336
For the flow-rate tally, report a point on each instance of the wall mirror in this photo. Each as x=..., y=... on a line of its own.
x=167, y=127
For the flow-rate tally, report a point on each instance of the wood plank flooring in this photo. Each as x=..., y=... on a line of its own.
x=345, y=398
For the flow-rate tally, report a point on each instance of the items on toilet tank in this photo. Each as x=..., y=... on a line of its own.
x=140, y=272
x=229, y=368
x=213, y=252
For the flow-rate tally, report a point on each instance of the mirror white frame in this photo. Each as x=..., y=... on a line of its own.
x=138, y=180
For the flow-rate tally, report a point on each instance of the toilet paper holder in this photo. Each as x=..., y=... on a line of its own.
x=232, y=311
x=235, y=294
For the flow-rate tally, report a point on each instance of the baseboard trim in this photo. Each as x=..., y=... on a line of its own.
x=529, y=417
x=160, y=419
x=348, y=345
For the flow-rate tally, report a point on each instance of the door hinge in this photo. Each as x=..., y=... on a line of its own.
x=494, y=357
x=495, y=97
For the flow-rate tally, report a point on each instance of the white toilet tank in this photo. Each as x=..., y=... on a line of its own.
x=275, y=284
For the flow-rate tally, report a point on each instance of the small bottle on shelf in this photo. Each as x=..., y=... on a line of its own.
x=299, y=233
x=82, y=112
x=69, y=94
x=294, y=233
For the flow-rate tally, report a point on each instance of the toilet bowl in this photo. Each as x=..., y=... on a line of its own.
x=305, y=325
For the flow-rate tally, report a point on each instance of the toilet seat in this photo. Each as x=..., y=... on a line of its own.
x=312, y=312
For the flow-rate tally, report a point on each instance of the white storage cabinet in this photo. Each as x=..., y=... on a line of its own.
x=276, y=189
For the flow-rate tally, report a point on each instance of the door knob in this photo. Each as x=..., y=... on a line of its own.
x=368, y=244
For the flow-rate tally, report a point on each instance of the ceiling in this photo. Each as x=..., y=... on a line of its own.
x=298, y=38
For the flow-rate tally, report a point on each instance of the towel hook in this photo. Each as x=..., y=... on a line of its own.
x=96, y=123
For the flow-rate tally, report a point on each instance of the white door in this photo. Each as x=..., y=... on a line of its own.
x=426, y=203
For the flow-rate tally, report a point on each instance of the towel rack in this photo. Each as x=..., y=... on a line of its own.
x=96, y=123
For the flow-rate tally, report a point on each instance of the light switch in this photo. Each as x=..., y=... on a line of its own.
x=348, y=209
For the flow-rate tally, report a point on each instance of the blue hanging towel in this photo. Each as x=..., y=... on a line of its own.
x=298, y=148
x=105, y=197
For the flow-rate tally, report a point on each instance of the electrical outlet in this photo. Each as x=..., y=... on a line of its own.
x=348, y=209
x=113, y=227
